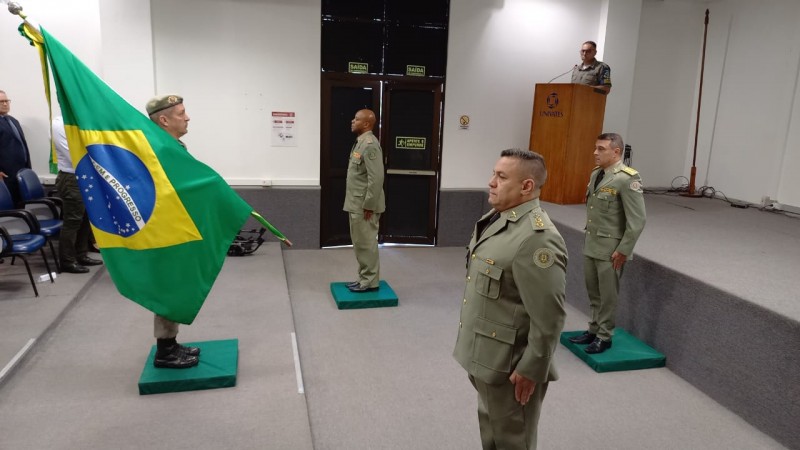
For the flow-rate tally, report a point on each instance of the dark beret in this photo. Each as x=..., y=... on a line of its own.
x=162, y=102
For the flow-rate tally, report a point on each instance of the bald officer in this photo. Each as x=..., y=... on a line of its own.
x=168, y=112
x=364, y=200
x=615, y=218
x=513, y=307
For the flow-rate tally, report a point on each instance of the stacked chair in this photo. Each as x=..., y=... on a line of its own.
x=20, y=234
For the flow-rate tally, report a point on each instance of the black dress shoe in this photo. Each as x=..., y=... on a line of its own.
x=191, y=351
x=598, y=346
x=352, y=284
x=360, y=288
x=585, y=338
x=87, y=261
x=174, y=358
x=74, y=268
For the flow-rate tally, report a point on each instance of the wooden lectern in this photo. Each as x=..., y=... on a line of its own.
x=567, y=118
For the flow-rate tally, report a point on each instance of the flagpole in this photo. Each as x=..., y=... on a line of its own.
x=271, y=228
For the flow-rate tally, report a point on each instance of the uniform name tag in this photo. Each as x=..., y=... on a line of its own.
x=609, y=190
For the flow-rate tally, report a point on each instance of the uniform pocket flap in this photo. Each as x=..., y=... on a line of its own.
x=496, y=331
x=609, y=234
x=490, y=270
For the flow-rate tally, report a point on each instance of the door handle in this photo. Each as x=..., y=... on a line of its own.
x=426, y=173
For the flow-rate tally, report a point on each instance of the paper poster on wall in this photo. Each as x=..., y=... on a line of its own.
x=283, y=129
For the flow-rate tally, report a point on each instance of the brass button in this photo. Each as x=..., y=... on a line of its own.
x=591, y=207
x=473, y=256
x=590, y=220
x=465, y=301
x=487, y=271
x=459, y=324
x=494, y=334
x=467, y=279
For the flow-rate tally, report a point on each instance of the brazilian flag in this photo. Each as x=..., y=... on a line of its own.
x=162, y=219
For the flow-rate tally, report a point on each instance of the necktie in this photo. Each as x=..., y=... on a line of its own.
x=492, y=220
x=18, y=136
x=598, y=179
x=13, y=128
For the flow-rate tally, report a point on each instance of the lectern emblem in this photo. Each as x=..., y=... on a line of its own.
x=552, y=100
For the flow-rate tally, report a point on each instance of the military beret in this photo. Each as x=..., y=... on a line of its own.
x=162, y=102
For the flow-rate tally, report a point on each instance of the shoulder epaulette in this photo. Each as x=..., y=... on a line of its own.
x=539, y=220
x=630, y=171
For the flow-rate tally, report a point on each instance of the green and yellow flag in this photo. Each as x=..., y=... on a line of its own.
x=163, y=220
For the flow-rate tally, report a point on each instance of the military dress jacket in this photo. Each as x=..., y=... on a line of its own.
x=615, y=213
x=513, y=308
x=364, y=188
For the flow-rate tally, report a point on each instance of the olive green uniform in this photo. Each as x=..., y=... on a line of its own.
x=511, y=318
x=364, y=191
x=615, y=217
x=597, y=73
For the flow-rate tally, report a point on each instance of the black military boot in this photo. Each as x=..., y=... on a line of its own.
x=170, y=355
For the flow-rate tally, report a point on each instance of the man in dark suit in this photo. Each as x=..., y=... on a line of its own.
x=14, y=153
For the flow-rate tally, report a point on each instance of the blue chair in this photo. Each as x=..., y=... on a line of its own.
x=21, y=245
x=48, y=210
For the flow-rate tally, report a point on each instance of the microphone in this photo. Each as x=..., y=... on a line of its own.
x=559, y=76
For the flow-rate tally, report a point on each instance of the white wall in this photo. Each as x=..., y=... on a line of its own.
x=749, y=136
x=76, y=25
x=756, y=100
x=238, y=63
x=127, y=49
x=619, y=34
x=235, y=63
x=498, y=50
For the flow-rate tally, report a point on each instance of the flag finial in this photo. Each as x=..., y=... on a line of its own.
x=16, y=9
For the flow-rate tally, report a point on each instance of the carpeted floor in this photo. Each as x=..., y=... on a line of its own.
x=373, y=379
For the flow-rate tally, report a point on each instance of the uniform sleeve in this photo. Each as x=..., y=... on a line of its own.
x=539, y=270
x=373, y=161
x=605, y=76
x=633, y=204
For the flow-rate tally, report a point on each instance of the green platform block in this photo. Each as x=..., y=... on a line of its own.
x=345, y=299
x=627, y=353
x=218, y=365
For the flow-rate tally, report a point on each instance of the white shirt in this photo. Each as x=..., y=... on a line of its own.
x=62, y=147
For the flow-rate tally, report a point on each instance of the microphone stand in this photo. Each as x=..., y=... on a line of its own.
x=693, y=174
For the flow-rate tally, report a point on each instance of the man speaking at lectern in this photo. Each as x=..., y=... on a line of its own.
x=590, y=71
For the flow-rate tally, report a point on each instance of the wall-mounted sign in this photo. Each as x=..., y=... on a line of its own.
x=283, y=128
x=463, y=122
x=410, y=143
x=415, y=71
x=357, y=67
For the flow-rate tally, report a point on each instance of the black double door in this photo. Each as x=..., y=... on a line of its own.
x=409, y=129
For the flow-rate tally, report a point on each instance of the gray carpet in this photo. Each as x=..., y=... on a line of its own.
x=384, y=378
x=79, y=389
x=374, y=379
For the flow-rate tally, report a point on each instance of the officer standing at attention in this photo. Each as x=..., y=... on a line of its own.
x=364, y=200
x=169, y=113
x=513, y=308
x=615, y=218
x=590, y=71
